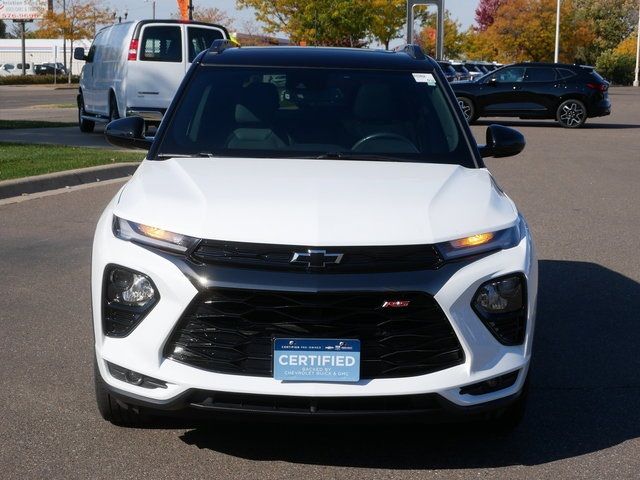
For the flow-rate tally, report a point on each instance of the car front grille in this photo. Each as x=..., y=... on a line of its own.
x=231, y=331
x=352, y=260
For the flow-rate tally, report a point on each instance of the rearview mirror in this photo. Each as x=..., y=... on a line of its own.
x=128, y=133
x=502, y=142
x=78, y=53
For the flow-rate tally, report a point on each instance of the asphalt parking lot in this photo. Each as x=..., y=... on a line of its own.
x=580, y=193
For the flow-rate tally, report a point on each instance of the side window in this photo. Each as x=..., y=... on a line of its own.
x=200, y=39
x=508, y=75
x=565, y=73
x=92, y=53
x=161, y=44
x=540, y=74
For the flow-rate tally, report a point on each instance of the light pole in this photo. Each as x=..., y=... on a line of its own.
x=556, y=55
x=635, y=82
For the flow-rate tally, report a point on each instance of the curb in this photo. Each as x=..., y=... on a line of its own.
x=69, y=178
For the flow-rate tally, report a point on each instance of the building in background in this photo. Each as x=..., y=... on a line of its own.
x=41, y=50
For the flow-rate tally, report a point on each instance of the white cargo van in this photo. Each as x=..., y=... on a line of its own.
x=135, y=68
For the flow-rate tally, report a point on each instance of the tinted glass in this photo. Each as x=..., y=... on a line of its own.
x=9, y=66
x=507, y=75
x=565, y=73
x=200, y=39
x=540, y=74
x=460, y=69
x=161, y=44
x=280, y=112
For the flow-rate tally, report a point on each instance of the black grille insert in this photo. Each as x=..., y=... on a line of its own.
x=354, y=259
x=231, y=331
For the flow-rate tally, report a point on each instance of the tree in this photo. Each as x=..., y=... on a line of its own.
x=611, y=22
x=82, y=19
x=525, y=30
x=486, y=12
x=315, y=22
x=617, y=66
x=455, y=40
x=3, y=29
x=210, y=15
x=388, y=18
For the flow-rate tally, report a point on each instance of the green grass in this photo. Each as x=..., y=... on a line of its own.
x=21, y=160
x=13, y=124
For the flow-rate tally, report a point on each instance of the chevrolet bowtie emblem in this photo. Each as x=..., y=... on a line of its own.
x=316, y=258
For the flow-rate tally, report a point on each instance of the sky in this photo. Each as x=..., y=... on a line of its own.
x=463, y=10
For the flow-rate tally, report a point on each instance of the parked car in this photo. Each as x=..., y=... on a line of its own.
x=449, y=72
x=475, y=70
x=344, y=252
x=463, y=73
x=568, y=93
x=51, y=69
x=16, y=69
x=135, y=68
x=7, y=69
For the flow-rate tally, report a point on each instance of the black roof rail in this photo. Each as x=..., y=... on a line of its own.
x=414, y=51
x=220, y=45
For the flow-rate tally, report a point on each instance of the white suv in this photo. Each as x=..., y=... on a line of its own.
x=313, y=232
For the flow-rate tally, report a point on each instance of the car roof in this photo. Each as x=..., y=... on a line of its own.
x=320, y=57
x=544, y=64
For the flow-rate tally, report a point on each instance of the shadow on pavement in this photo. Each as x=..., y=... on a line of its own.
x=552, y=123
x=585, y=386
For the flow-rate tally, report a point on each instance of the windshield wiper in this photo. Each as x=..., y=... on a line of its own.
x=359, y=156
x=186, y=155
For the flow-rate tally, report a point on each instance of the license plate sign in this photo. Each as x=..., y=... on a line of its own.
x=316, y=360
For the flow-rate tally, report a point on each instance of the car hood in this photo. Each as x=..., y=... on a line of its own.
x=315, y=202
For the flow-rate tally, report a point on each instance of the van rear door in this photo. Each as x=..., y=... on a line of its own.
x=160, y=66
x=199, y=38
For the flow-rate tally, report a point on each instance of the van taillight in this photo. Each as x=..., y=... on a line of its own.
x=133, y=49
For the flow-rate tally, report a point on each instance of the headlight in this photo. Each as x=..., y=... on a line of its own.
x=156, y=237
x=501, y=304
x=128, y=297
x=482, y=242
x=130, y=288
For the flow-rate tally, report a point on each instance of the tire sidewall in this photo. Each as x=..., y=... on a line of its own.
x=568, y=102
x=472, y=110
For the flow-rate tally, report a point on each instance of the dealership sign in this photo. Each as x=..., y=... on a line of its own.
x=22, y=9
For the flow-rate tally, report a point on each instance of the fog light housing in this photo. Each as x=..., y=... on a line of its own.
x=501, y=304
x=128, y=297
x=134, y=378
x=492, y=385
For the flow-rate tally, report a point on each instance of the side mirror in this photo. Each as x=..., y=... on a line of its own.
x=127, y=133
x=502, y=142
x=493, y=81
x=78, y=53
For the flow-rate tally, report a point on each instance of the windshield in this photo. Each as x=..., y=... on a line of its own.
x=284, y=112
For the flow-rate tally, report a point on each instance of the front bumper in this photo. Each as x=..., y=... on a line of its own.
x=453, y=287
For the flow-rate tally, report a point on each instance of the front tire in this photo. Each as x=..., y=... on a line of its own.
x=111, y=409
x=571, y=114
x=86, y=126
x=468, y=109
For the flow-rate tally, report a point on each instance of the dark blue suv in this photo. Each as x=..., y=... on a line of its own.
x=568, y=93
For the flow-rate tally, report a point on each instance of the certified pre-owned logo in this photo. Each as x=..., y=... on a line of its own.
x=316, y=258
